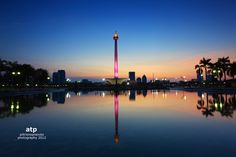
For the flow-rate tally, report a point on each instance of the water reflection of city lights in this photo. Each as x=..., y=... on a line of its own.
x=176, y=93
x=17, y=107
x=221, y=105
x=103, y=94
x=185, y=97
x=12, y=108
x=78, y=93
x=68, y=95
x=164, y=95
x=68, y=80
x=154, y=92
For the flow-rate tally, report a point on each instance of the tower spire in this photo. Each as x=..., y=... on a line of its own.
x=115, y=37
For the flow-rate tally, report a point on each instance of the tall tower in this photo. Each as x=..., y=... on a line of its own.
x=115, y=37
x=115, y=80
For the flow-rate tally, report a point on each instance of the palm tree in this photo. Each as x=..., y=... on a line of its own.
x=199, y=70
x=205, y=63
x=217, y=69
x=224, y=65
x=231, y=71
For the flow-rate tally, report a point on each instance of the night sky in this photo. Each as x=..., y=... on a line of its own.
x=165, y=37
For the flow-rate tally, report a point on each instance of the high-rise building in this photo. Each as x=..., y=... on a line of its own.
x=59, y=77
x=138, y=80
x=132, y=76
x=62, y=76
x=55, y=78
x=144, y=79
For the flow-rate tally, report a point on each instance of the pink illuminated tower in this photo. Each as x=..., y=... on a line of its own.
x=115, y=80
x=115, y=37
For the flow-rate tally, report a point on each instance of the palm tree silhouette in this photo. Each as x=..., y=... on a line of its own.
x=217, y=69
x=199, y=70
x=205, y=63
x=224, y=62
x=207, y=110
x=231, y=71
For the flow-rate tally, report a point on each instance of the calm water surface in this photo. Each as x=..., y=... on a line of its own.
x=132, y=123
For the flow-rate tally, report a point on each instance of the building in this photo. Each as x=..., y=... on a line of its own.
x=55, y=77
x=144, y=79
x=138, y=80
x=132, y=76
x=59, y=77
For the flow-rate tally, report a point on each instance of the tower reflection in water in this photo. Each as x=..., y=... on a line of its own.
x=116, y=107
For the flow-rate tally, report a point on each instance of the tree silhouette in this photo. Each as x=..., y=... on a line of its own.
x=205, y=63
x=12, y=73
x=231, y=71
x=199, y=70
x=224, y=62
x=207, y=110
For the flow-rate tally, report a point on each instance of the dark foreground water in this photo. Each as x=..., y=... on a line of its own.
x=133, y=123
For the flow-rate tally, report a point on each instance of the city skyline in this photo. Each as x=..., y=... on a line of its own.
x=162, y=38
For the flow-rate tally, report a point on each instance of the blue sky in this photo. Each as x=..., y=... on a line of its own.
x=77, y=35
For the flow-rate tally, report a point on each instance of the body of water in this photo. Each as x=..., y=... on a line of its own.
x=129, y=123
